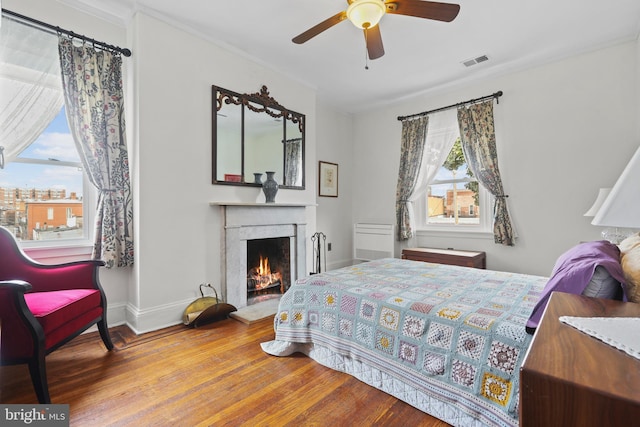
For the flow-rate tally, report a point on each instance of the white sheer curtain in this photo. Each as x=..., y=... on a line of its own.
x=443, y=131
x=30, y=85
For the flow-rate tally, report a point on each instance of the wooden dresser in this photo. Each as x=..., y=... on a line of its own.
x=569, y=378
x=446, y=256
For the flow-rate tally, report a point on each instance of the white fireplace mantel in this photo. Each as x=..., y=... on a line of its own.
x=248, y=221
x=267, y=205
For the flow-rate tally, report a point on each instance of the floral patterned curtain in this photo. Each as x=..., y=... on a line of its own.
x=477, y=134
x=92, y=86
x=414, y=135
x=292, y=161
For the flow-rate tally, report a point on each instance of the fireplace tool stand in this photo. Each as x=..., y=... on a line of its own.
x=319, y=251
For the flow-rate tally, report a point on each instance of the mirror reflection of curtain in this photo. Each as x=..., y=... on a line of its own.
x=30, y=86
x=477, y=133
x=92, y=84
x=414, y=134
x=293, y=161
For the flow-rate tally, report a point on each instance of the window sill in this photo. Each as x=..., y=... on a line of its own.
x=457, y=234
x=58, y=254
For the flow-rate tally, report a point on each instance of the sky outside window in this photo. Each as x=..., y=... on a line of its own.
x=56, y=143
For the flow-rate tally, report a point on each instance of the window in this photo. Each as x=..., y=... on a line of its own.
x=45, y=197
x=44, y=190
x=454, y=200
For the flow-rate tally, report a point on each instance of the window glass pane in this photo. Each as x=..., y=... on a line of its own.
x=43, y=200
x=452, y=204
x=55, y=143
x=453, y=198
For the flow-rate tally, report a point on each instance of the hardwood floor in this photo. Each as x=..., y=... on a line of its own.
x=210, y=376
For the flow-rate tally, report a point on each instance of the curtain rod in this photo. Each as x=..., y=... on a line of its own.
x=471, y=101
x=44, y=25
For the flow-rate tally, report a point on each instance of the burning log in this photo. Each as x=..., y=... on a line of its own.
x=261, y=277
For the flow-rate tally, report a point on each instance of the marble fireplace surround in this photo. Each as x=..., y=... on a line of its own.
x=249, y=221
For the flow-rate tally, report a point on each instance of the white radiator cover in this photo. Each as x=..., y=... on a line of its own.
x=372, y=241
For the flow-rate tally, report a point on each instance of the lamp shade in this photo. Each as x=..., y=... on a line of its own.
x=602, y=196
x=621, y=208
x=366, y=13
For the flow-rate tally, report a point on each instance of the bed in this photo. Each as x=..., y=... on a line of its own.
x=448, y=340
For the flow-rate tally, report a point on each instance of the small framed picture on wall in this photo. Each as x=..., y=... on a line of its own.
x=328, y=179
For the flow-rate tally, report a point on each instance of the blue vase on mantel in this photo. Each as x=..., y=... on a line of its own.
x=270, y=188
x=257, y=178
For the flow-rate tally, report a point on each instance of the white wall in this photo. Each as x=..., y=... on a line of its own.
x=178, y=232
x=335, y=136
x=638, y=82
x=564, y=130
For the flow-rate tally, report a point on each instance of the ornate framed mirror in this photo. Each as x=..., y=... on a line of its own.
x=253, y=134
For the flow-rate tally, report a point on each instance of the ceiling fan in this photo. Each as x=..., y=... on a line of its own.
x=366, y=14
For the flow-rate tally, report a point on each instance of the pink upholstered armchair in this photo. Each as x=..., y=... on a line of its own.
x=42, y=307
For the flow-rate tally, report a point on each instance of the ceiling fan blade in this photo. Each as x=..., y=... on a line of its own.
x=317, y=29
x=375, y=49
x=446, y=12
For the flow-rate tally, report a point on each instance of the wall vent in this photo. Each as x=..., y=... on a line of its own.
x=474, y=61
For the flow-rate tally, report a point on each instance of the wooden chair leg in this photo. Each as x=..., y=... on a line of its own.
x=104, y=334
x=38, y=371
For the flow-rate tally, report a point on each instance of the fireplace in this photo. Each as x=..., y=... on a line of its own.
x=245, y=223
x=268, y=268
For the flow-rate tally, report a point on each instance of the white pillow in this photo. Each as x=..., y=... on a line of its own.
x=603, y=285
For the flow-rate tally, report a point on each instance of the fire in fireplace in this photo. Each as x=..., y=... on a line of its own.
x=268, y=268
x=261, y=277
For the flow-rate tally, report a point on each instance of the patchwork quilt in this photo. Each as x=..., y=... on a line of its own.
x=452, y=334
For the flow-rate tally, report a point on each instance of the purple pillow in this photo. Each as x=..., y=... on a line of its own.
x=573, y=272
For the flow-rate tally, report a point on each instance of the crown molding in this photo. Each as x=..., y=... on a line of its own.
x=117, y=12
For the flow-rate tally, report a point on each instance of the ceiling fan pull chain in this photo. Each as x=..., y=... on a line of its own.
x=366, y=52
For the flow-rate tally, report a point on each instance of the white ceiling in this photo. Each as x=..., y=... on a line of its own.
x=420, y=55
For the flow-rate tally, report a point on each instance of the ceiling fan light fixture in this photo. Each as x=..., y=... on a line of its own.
x=366, y=13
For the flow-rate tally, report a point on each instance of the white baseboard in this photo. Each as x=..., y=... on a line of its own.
x=152, y=319
x=339, y=264
x=115, y=317
x=116, y=314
